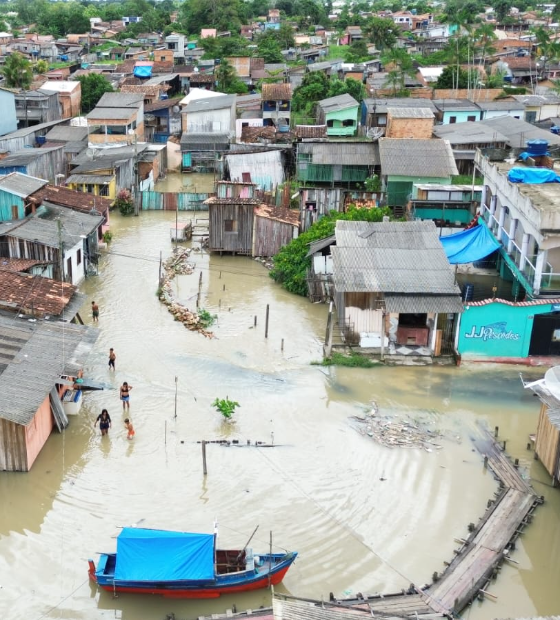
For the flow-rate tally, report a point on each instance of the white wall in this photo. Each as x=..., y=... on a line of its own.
x=78, y=272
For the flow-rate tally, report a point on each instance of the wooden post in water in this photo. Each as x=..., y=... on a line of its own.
x=266, y=321
x=327, y=350
x=175, y=398
x=160, y=266
x=204, y=470
x=255, y=321
x=282, y=345
x=496, y=431
x=199, y=289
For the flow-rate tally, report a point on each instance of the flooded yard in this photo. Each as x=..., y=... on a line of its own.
x=364, y=517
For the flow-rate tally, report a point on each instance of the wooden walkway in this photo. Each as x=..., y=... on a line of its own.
x=476, y=562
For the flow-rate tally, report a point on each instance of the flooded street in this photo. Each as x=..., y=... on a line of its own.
x=363, y=517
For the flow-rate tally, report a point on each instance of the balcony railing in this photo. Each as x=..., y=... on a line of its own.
x=550, y=280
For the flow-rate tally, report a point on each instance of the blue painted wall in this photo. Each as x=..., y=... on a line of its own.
x=8, y=120
x=11, y=207
x=498, y=329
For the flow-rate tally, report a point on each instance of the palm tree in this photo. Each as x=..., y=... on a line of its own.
x=17, y=72
x=400, y=64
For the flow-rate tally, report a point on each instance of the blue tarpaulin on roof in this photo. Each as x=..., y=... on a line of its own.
x=142, y=72
x=160, y=555
x=533, y=175
x=469, y=245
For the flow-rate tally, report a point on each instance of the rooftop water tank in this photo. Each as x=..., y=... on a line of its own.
x=537, y=148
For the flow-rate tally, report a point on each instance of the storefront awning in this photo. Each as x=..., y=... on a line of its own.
x=422, y=304
x=469, y=245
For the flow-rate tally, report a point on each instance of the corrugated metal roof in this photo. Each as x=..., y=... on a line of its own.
x=444, y=105
x=412, y=304
x=121, y=100
x=43, y=226
x=379, y=106
x=96, y=179
x=410, y=112
x=38, y=362
x=280, y=214
x=26, y=131
x=340, y=102
x=66, y=133
x=25, y=156
x=469, y=133
x=423, y=158
x=316, y=246
x=342, y=153
x=391, y=257
x=204, y=138
x=210, y=103
x=21, y=185
x=518, y=132
x=120, y=114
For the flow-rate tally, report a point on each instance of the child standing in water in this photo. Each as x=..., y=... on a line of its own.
x=129, y=428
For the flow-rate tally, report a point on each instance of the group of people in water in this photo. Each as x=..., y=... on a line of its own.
x=104, y=419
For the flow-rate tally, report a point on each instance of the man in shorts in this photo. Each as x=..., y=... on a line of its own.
x=112, y=358
x=95, y=312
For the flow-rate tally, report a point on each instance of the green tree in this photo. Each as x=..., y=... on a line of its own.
x=42, y=66
x=17, y=71
x=400, y=66
x=94, y=86
x=355, y=89
x=268, y=48
x=381, y=32
x=227, y=80
x=357, y=52
x=220, y=14
x=291, y=263
x=313, y=88
x=502, y=9
x=457, y=77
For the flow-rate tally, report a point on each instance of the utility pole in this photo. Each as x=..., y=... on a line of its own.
x=136, y=190
x=60, y=249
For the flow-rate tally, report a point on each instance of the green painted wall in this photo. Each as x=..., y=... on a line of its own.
x=498, y=329
x=399, y=188
x=337, y=119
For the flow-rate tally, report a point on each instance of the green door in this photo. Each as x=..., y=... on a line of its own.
x=186, y=160
x=398, y=193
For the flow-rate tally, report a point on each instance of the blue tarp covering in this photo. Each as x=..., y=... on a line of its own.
x=469, y=245
x=533, y=175
x=160, y=555
x=142, y=72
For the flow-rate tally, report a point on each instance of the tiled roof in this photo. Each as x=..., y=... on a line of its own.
x=423, y=158
x=145, y=89
x=311, y=131
x=26, y=292
x=286, y=216
x=66, y=197
x=19, y=264
x=276, y=92
x=162, y=104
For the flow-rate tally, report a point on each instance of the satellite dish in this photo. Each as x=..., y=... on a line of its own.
x=552, y=381
x=176, y=109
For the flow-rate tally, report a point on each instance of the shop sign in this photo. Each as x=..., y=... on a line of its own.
x=493, y=331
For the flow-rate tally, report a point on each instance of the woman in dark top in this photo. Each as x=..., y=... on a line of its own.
x=104, y=420
x=125, y=395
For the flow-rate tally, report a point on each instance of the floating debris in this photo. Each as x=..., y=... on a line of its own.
x=398, y=430
x=175, y=265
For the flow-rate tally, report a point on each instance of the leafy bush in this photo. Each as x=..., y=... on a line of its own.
x=107, y=236
x=353, y=360
x=124, y=202
x=205, y=318
x=225, y=406
x=291, y=263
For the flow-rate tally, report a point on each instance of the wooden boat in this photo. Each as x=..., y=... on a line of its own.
x=184, y=565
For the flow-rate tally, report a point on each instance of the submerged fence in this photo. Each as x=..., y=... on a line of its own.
x=172, y=201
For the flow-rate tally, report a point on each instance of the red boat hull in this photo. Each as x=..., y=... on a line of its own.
x=201, y=592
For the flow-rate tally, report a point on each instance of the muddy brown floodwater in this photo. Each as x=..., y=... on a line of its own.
x=363, y=517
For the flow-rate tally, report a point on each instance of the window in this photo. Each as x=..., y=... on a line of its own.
x=79, y=257
x=349, y=122
x=330, y=123
x=14, y=212
x=452, y=119
x=89, y=188
x=530, y=117
x=104, y=190
x=230, y=226
x=472, y=119
x=162, y=58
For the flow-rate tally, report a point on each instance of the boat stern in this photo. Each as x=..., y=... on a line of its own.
x=91, y=570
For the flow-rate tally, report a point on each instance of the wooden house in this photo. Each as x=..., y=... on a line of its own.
x=339, y=114
x=34, y=107
x=391, y=281
x=34, y=359
x=276, y=104
x=273, y=228
x=43, y=163
x=231, y=217
x=15, y=190
x=65, y=239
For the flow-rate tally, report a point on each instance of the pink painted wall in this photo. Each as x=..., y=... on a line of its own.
x=38, y=431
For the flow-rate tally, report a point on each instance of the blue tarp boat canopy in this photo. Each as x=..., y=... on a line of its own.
x=469, y=245
x=160, y=555
x=533, y=175
x=143, y=72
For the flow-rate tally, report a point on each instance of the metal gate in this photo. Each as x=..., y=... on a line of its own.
x=446, y=323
